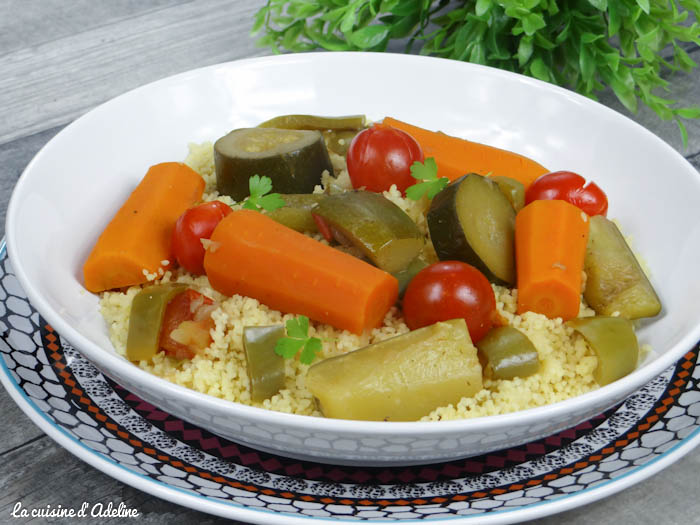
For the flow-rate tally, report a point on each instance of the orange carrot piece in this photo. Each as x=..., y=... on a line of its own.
x=456, y=157
x=255, y=256
x=550, y=245
x=138, y=237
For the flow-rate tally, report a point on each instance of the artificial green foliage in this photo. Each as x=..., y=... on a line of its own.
x=585, y=45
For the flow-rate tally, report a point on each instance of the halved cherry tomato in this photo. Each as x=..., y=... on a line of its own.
x=571, y=187
x=194, y=224
x=381, y=156
x=451, y=290
x=186, y=324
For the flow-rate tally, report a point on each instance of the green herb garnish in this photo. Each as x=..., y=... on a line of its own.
x=260, y=187
x=298, y=339
x=430, y=183
x=628, y=46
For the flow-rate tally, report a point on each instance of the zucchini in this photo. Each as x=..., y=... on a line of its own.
x=378, y=227
x=514, y=190
x=615, y=282
x=293, y=159
x=401, y=379
x=339, y=141
x=472, y=221
x=613, y=341
x=296, y=213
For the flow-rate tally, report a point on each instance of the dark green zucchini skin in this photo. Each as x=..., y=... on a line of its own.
x=378, y=227
x=292, y=170
x=448, y=234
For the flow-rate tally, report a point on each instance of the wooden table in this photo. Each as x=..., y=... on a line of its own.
x=59, y=59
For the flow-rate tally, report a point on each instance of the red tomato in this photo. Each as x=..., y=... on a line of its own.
x=190, y=312
x=569, y=186
x=193, y=225
x=451, y=290
x=381, y=156
x=323, y=227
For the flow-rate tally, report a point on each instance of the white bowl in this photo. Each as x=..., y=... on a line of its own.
x=70, y=190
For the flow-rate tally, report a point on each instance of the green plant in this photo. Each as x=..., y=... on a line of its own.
x=586, y=45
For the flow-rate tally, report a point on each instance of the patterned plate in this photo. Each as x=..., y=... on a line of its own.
x=135, y=442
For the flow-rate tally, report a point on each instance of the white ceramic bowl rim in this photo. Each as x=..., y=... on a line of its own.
x=110, y=362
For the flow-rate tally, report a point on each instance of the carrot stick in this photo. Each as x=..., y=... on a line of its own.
x=456, y=157
x=550, y=245
x=138, y=237
x=255, y=256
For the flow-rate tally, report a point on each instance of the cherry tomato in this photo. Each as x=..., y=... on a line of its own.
x=193, y=225
x=190, y=312
x=569, y=186
x=451, y=290
x=381, y=156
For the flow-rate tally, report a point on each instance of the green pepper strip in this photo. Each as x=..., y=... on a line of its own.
x=509, y=353
x=406, y=275
x=146, y=319
x=297, y=211
x=314, y=122
x=265, y=367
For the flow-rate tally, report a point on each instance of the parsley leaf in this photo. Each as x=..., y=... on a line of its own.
x=298, y=339
x=259, y=188
x=430, y=183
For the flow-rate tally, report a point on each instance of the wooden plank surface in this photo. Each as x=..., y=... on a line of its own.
x=59, y=59
x=53, y=82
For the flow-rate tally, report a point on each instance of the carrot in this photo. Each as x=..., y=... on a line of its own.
x=456, y=157
x=253, y=255
x=550, y=245
x=138, y=237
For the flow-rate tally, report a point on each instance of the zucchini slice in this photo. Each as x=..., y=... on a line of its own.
x=514, y=190
x=472, y=221
x=338, y=141
x=399, y=379
x=293, y=159
x=378, y=227
x=614, y=342
x=615, y=280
